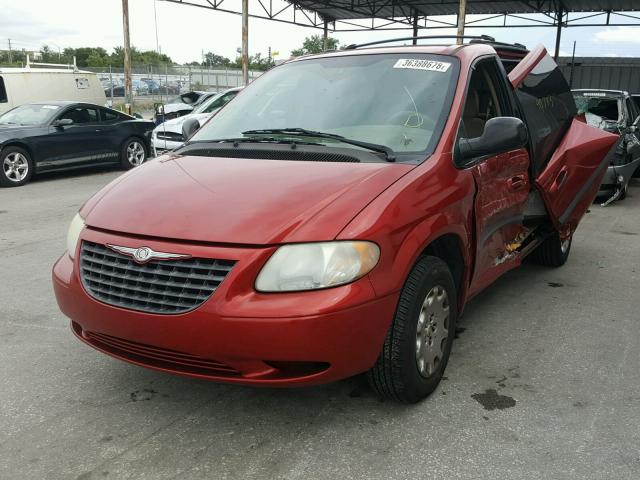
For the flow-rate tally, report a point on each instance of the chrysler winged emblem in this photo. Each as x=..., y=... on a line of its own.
x=146, y=254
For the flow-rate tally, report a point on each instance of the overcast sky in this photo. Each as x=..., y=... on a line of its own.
x=184, y=31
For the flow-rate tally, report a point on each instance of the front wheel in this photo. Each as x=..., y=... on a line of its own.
x=16, y=167
x=134, y=153
x=416, y=350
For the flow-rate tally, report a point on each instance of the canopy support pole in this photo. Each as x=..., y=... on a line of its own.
x=325, y=36
x=415, y=27
x=461, y=18
x=558, y=34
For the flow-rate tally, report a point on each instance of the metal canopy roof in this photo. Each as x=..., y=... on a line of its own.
x=353, y=9
x=359, y=15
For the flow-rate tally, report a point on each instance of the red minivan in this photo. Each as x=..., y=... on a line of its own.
x=335, y=217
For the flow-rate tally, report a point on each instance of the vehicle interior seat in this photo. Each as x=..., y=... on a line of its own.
x=472, y=117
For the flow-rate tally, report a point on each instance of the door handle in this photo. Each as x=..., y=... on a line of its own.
x=560, y=179
x=517, y=183
x=98, y=130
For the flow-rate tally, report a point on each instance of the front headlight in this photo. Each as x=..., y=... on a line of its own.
x=310, y=266
x=77, y=224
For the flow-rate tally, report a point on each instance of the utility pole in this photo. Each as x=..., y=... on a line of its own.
x=245, y=42
x=10, y=53
x=127, y=56
x=573, y=61
x=155, y=18
x=461, y=18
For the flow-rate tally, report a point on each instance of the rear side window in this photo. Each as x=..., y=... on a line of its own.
x=108, y=116
x=548, y=108
x=3, y=92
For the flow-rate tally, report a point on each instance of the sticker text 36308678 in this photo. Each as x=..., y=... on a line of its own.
x=417, y=64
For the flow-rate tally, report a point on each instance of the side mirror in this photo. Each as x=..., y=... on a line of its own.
x=63, y=122
x=501, y=134
x=189, y=127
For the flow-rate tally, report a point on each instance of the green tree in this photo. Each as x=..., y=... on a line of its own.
x=46, y=55
x=315, y=44
x=214, y=60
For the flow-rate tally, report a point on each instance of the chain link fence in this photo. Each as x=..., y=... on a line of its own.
x=157, y=83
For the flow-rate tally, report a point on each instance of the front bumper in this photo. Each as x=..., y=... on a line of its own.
x=614, y=173
x=238, y=335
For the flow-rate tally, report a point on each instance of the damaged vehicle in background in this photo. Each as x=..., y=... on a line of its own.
x=614, y=111
x=169, y=135
x=335, y=218
x=179, y=106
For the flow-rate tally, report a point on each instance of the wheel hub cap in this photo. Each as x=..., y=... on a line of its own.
x=135, y=153
x=432, y=331
x=15, y=167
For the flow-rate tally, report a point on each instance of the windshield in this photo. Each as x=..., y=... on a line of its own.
x=400, y=101
x=29, y=115
x=600, y=111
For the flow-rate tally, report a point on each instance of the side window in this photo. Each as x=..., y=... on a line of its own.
x=3, y=92
x=632, y=111
x=109, y=116
x=81, y=115
x=486, y=99
x=548, y=107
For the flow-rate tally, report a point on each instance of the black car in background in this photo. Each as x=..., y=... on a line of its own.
x=42, y=137
x=616, y=112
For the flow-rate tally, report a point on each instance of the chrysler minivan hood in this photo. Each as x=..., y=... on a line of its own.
x=241, y=201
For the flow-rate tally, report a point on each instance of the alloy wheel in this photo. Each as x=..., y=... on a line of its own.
x=135, y=153
x=432, y=331
x=15, y=166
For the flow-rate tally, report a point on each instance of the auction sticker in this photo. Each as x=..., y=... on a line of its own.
x=417, y=64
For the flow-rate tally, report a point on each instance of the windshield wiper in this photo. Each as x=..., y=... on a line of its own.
x=236, y=141
x=388, y=153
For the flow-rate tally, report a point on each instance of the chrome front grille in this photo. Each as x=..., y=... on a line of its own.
x=172, y=136
x=160, y=286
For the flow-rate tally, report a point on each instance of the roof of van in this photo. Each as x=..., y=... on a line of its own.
x=43, y=70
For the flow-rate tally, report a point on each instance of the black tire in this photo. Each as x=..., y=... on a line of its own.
x=396, y=374
x=11, y=154
x=125, y=162
x=551, y=252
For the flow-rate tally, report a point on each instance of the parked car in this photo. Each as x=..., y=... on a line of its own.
x=42, y=137
x=636, y=100
x=139, y=87
x=335, y=219
x=25, y=85
x=179, y=106
x=153, y=86
x=614, y=111
x=116, y=85
x=169, y=135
